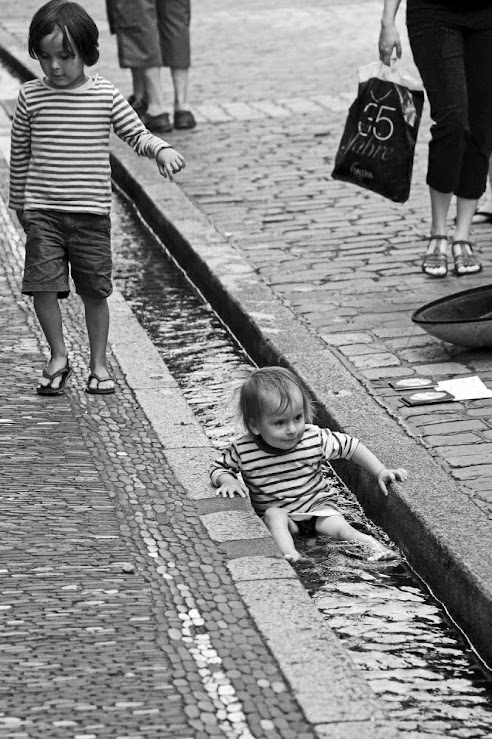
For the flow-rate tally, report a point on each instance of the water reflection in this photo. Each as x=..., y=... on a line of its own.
x=399, y=636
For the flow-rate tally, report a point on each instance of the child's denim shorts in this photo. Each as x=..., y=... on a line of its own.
x=55, y=240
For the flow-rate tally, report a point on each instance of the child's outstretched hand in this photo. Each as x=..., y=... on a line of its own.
x=386, y=477
x=232, y=487
x=170, y=162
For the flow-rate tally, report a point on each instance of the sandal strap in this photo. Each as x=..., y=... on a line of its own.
x=466, y=251
x=434, y=259
x=466, y=260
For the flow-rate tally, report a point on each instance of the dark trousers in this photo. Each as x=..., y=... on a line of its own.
x=453, y=53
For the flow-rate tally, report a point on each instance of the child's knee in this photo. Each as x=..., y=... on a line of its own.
x=275, y=518
x=274, y=514
x=335, y=526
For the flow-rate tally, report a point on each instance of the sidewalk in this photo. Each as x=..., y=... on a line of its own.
x=323, y=276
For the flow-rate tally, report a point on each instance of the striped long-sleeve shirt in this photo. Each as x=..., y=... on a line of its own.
x=291, y=479
x=60, y=145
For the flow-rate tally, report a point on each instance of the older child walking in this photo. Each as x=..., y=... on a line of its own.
x=60, y=182
x=280, y=460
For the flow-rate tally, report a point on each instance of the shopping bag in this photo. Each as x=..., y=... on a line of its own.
x=378, y=143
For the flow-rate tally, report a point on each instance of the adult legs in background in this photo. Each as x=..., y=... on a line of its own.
x=138, y=99
x=478, y=140
x=152, y=34
x=174, y=17
x=483, y=213
x=450, y=59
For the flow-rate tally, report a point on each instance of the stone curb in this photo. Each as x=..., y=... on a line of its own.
x=309, y=654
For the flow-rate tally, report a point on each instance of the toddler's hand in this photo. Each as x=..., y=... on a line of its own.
x=232, y=488
x=386, y=477
x=170, y=162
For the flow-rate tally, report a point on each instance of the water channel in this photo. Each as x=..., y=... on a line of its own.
x=413, y=656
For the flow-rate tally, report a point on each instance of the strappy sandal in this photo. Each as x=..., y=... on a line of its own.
x=435, y=263
x=465, y=261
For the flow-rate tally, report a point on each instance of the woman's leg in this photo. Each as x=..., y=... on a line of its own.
x=434, y=262
x=465, y=260
x=478, y=141
x=438, y=48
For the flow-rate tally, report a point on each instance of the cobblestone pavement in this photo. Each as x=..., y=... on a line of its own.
x=271, y=103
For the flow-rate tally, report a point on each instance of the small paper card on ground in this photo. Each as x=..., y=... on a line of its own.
x=424, y=397
x=466, y=388
x=413, y=383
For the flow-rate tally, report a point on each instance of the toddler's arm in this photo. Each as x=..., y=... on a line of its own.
x=371, y=463
x=228, y=486
x=224, y=471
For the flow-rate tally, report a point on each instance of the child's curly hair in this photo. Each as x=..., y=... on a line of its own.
x=76, y=27
x=264, y=383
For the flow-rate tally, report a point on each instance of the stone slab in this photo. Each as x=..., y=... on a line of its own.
x=231, y=525
x=306, y=648
x=260, y=568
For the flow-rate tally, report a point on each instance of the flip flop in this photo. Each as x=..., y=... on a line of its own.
x=47, y=389
x=97, y=390
x=482, y=215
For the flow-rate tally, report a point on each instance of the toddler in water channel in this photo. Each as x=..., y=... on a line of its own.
x=60, y=183
x=280, y=460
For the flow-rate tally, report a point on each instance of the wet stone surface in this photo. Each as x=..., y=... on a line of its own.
x=400, y=637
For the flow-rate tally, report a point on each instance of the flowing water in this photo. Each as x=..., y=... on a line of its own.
x=413, y=656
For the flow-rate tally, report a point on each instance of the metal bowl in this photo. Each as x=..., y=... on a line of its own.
x=463, y=318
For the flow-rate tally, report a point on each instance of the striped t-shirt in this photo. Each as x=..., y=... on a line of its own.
x=60, y=145
x=291, y=479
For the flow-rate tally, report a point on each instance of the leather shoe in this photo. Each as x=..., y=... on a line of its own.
x=157, y=123
x=184, y=119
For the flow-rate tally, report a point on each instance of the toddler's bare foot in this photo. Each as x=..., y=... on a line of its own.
x=293, y=557
x=380, y=553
